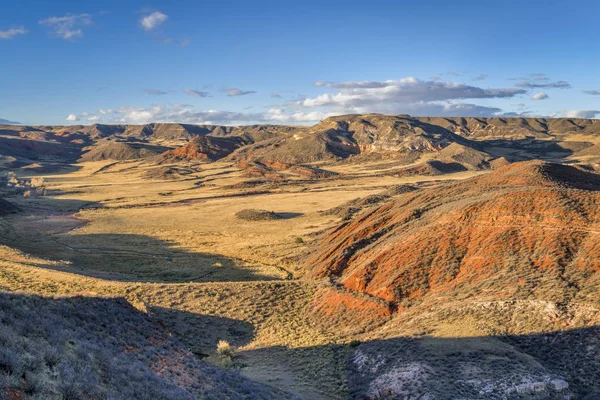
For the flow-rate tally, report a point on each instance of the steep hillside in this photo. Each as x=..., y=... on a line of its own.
x=529, y=230
x=100, y=348
x=116, y=150
x=7, y=207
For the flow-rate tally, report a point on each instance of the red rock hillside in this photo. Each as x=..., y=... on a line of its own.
x=526, y=231
x=204, y=148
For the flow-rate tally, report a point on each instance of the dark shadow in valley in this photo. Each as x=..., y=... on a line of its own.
x=132, y=258
x=527, y=149
x=200, y=332
x=548, y=365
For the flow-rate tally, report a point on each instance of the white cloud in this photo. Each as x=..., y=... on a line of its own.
x=69, y=26
x=11, y=33
x=151, y=21
x=196, y=93
x=539, y=96
x=281, y=115
x=94, y=118
x=404, y=96
x=72, y=117
x=231, y=92
x=581, y=113
x=180, y=113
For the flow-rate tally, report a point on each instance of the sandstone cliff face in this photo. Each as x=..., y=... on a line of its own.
x=529, y=230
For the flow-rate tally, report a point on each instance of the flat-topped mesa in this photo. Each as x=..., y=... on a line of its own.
x=529, y=230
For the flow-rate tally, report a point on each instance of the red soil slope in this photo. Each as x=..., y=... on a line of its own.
x=528, y=230
x=204, y=148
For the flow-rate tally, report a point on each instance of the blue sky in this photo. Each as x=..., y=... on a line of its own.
x=239, y=62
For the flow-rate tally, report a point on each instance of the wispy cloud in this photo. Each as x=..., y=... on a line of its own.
x=197, y=93
x=231, y=92
x=167, y=40
x=72, y=117
x=12, y=32
x=151, y=21
x=535, y=76
x=68, y=27
x=539, y=96
x=545, y=85
x=276, y=96
x=155, y=92
x=480, y=77
x=592, y=92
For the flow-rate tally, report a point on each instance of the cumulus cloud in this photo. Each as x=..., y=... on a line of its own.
x=539, y=96
x=68, y=27
x=72, y=117
x=397, y=96
x=581, y=113
x=544, y=85
x=156, y=92
x=94, y=118
x=151, y=21
x=196, y=93
x=592, y=92
x=231, y=92
x=11, y=33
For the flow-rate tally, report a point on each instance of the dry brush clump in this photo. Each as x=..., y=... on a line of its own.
x=257, y=215
x=30, y=188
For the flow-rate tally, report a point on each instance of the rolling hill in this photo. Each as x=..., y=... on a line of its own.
x=528, y=230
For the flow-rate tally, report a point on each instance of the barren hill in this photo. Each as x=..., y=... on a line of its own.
x=117, y=150
x=371, y=136
x=529, y=230
x=204, y=148
x=515, y=128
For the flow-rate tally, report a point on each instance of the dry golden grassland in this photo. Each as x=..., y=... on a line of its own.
x=176, y=251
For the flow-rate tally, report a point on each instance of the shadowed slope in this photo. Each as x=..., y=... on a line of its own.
x=99, y=348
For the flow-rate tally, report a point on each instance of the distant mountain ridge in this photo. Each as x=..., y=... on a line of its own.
x=353, y=137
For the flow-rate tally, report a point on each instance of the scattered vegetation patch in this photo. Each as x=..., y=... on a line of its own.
x=257, y=215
